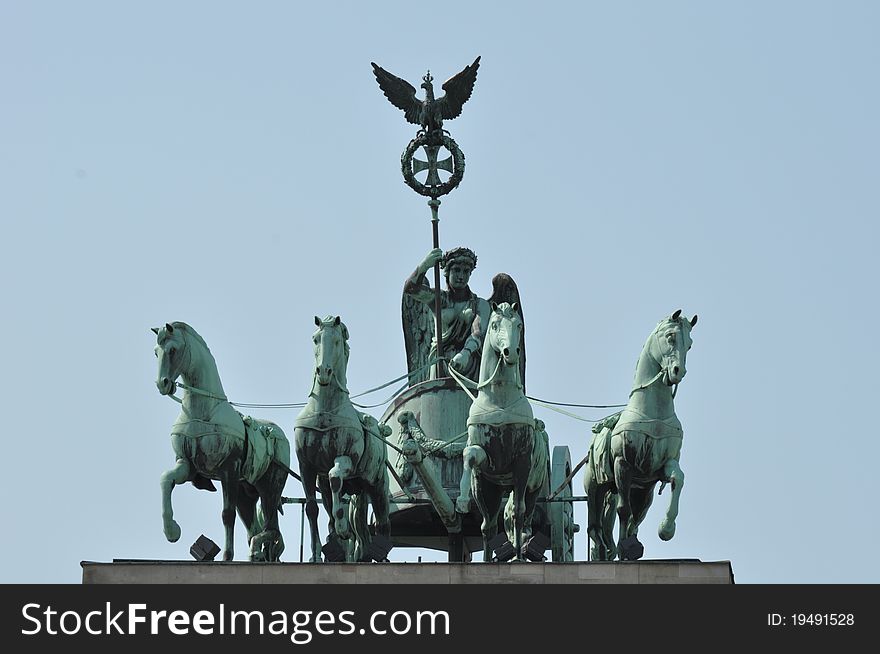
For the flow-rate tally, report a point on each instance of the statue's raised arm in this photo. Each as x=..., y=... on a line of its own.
x=459, y=307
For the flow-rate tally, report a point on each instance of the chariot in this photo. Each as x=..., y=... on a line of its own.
x=433, y=414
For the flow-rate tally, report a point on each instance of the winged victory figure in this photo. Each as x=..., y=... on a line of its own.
x=430, y=112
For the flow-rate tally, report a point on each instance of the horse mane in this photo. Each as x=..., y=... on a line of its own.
x=681, y=321
x=189, y=331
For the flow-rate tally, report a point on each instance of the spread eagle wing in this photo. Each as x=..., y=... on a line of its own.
x=400, y=93
x=458, y=90
x=418, y=332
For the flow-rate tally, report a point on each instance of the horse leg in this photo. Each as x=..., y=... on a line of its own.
x=309, y=479
x=273, y=502
x=520, y=481
x=270, y=487
x=179, y=474
x=357, y=516
x=246, y=505
x=531, y=501
x=474, y=457
x=509, y=520
x=342, y=469
x=381, y=508
x=674, y=475
x=609, y=515
x=488, y=499
x=594, y=514
x=623, y=481
x=230, y=499
x=327, y=501
x=640, y=501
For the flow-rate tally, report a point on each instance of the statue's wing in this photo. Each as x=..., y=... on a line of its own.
x=418, y=331
x=400, y=93
x=458, y=90
x=504, y=289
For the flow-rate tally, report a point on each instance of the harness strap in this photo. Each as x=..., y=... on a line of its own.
x=463, y=382
x=199, y=391
x=391, y=445
x=645, y=385
x=562, y=411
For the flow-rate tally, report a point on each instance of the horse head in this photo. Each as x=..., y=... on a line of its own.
x=504, y=335
x=173, y=354
x=331, y=351
x=669, y=346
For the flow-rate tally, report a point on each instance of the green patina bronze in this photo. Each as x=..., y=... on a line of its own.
x=212, y=440
x=339, y=449
x=430, y=112
x=501, y=453
x=481, y=447
x=634, y=449
x=539, y=463
x=462, y=312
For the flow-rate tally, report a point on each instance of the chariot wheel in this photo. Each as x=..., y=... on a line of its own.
x=562, y=525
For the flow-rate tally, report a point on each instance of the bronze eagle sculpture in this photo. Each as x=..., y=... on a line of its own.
x=430, y=112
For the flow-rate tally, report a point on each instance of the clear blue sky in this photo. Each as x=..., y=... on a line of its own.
x=236, y=167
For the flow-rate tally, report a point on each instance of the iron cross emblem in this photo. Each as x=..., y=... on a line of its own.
x=432, y=165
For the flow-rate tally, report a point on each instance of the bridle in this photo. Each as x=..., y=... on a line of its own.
x=333, y=374
x=663, y=373
x=494, y=374
x=179, y=384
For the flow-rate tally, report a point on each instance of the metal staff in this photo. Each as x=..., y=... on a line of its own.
x=430, y=114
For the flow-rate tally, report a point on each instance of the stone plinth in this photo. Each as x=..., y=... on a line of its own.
x=628, y=572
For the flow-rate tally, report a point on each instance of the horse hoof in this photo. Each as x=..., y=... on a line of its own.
x=227, y=555
x=630, y=549
x=172, y=532
x=666, y=530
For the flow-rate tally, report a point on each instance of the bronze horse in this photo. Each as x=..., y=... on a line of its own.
x=211, y=440
x=339, y=449
x=638, y=447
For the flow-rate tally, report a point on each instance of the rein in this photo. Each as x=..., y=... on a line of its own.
x=335, y=378
x=464, y=382
x=662, y=372
x=648, y=383
x=199, y=391
x=489, y=381
x=494, y=374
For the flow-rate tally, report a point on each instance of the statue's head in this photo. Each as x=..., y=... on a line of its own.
x=670, y=344
x=458, y=264
x=428, y=86
x=173, y=355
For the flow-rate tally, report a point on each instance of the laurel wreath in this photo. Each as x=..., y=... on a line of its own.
x=437, y=190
